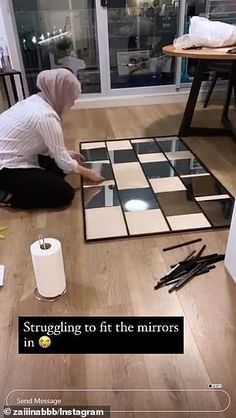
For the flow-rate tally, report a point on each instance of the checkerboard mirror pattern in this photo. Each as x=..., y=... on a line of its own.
x=151, y=186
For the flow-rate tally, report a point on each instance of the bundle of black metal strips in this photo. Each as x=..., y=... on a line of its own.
x=192, y=266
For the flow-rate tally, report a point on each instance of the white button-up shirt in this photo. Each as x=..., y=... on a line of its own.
x=29, y=128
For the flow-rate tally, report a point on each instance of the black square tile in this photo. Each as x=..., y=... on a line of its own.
x=158, y=169
x=95, y=154
x=204, y=186
x=219, y=211
x=146, y=147
x=100, y=196
x=171, y=145
x=122, y=156
x=133, y=200
x=188, y=166
x=178, y=203
x=104, y=169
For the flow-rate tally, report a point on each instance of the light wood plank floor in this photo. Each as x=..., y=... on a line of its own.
x=102, y=283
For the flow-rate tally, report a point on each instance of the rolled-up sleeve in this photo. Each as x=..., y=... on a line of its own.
x=50, y=130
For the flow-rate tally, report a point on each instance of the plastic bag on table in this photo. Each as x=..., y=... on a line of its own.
x=212, y=34
x=204, y=32
x=183, y=42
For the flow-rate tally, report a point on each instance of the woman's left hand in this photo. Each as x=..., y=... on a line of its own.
x=77, y=156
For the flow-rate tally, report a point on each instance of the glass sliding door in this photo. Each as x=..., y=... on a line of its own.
x=137, y=32
x=110, y=45
x=59, y=33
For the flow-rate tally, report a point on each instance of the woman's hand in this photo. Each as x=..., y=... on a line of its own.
x=77, y=156
x=91, y=175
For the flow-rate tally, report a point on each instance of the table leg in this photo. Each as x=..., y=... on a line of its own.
x=186, y=129
x=225, y=114
x=6, y=91
x=13, y=84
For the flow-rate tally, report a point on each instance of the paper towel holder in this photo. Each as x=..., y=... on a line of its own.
x=44, y=299
x=45, y=246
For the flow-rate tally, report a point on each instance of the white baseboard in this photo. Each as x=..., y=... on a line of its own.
x=99, y=101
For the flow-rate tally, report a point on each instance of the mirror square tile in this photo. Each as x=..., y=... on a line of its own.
x=100, y=196
x=138, y=200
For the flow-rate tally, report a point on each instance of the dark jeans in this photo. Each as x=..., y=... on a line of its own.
x=33, y=188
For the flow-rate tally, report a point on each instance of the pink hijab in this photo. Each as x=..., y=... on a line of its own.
x=59, y=88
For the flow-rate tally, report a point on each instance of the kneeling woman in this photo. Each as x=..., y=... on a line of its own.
x=33, y=156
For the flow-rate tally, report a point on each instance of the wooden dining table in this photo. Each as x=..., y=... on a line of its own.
x=204, y=57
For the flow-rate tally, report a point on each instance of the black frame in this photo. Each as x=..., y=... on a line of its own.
x=154, y=234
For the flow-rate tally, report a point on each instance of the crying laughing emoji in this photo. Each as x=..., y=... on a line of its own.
x=45, y=341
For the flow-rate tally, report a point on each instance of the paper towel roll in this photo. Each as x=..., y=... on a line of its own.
x=48, y=267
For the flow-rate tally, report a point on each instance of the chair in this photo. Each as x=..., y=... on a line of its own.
x=220, y=70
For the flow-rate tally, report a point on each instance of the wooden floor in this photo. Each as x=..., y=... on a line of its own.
x=117, y=278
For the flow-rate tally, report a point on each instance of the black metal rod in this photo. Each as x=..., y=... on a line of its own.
x=173, y=247
x=190, y=275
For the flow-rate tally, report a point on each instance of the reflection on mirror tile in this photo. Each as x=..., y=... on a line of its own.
x=137, y=141
x=171, y=145
x=105, y=223
x=115, y=145
x=146, y=147
x=103, y=169
x=100, y=196
x=152, y=157
x=169, y=184
x=138, y=200
x=191, y=221
x=181, y=155
x=218, y=211
x=95, y=154
x=203, y=185
x=158, y=169
x=178, y=203
x=189, y=166
x=215, y=197
x=122, y=156
x=148, y=222
x=129, y=176
x=91, y=145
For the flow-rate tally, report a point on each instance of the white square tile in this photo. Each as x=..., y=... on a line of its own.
x=105, y=222
x=117, y=145
x=192, y=221
x=179, y=155
x=147, y=222
x=167, y=184
x=92, y=145
x=151, y=157
x=129, y=176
